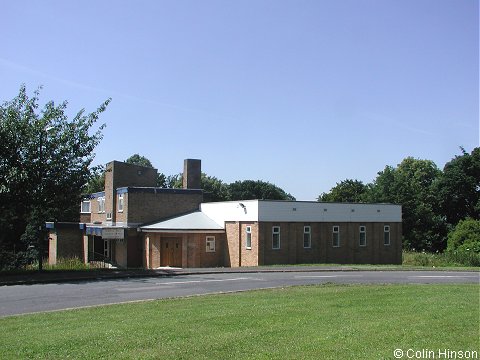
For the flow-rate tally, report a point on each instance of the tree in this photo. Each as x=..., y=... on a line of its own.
x=214, y=189
x=465, y=236
x=139, y=160
x=411, y=185
x=348, y=190
x=458, y=187
x=382, y=190
x=96, y=182
x=45, y=161
x=250, y=189
x=174, y=181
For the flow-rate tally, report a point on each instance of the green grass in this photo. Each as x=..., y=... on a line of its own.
x=445, y=259
x=73, y=263
x=313, y=322
x=412, y=260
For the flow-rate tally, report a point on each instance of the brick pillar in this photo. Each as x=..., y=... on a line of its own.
x=85, y=249
x=192, y=173
x=52, y=248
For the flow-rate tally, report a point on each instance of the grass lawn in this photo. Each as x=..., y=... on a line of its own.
x=312, y=322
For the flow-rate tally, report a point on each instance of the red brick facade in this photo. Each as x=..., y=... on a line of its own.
x=192, y=251
x=321, y=249
x=130, y=200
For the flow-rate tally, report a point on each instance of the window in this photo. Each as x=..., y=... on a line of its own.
x=120, y=203
x=85, y=207
x=276, y=237
x=101, y=204
x=307, y=237
x=106, y=248
x=210, y=244
x=386, y=235
x=363, y=236
x=248, y=243
x=336, y=236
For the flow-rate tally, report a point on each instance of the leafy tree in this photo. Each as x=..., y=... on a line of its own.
x=45, y=161
x=174, y=181
x=458, y=188
x=465, y=236
x=382, y=190
x=139, y=160
x=215, y=189
x=250, y=189
x=348, y=190
x=96, y=182
x=411, y=185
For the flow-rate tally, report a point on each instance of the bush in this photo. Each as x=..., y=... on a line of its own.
x=465, y=237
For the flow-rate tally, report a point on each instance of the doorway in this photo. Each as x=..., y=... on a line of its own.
x=171, y=252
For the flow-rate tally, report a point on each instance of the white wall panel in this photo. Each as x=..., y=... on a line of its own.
x=328, y=212
x=231, y=211
x=300, y=211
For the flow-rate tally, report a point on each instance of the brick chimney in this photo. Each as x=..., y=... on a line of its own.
x=192, y=173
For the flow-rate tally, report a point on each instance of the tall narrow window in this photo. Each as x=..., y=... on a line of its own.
x=248, y=243
x=336, y=236
x=363, y=236
x=101, y=204
x=307, y=237
x=120, y=203
x=106, y=248
x=276, y=237
x=210, y=244
x=386, y=235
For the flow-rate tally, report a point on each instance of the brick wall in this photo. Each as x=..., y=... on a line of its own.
x=65, y=243
x=232, y=251
x=121, y=216
x=95, y=216
x=119, y=174
x=292, y=251
x=120, y=253
x=147, y=206
x=209, y=259
x=52, y=248
x=287, y=237
x=85, y=218
x=194, y=252
x=134, y=248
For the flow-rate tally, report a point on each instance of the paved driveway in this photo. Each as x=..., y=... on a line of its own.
x=21, y=299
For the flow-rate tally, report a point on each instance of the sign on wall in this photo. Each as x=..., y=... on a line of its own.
x=113, y=233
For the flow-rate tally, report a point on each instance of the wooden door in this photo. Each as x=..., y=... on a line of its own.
x=171, y=252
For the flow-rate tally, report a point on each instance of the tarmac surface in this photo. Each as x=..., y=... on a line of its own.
x=57, y=276
x=55, y=291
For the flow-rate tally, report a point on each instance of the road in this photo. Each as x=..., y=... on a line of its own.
x=22, y=299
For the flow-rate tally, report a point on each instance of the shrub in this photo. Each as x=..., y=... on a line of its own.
x=465, y=237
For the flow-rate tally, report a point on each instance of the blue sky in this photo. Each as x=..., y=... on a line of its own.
x=300, y=93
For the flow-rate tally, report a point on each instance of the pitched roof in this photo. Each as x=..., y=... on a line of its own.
x=192, y=222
